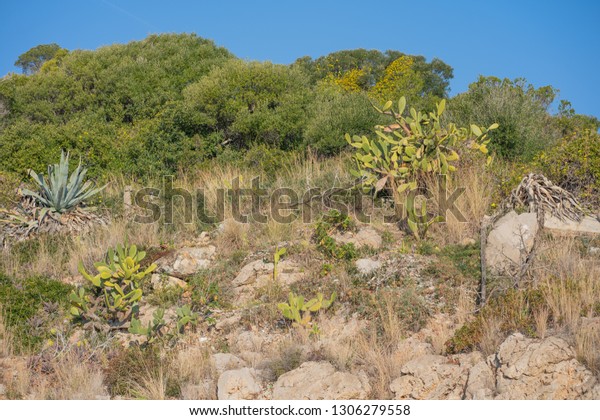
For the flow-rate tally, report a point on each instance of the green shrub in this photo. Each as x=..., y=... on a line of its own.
x=334, y=113
x=331, y=222
x=574, y=164
x=31, y=307
x=514, y=310
x=520, y=109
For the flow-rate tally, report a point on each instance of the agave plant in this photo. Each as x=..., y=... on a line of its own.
x=61, y=192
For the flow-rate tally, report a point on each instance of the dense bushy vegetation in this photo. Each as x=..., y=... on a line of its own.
x=171, y=101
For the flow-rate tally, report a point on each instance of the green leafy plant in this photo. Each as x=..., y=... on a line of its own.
x=159, y=330
x=279, y=252
x=331, y=222
x=574, y=164
x=299, y=311
x=404, y=152
x=62, y=192
x=115, y=291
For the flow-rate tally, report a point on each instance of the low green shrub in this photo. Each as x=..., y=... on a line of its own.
x=30, y=308
x=331, y=222
x=574, y=164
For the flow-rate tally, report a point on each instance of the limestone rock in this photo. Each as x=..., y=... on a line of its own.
x=412, y=348
x=163, y=281
x=510, y=241
x=480, y=383
x=435, y=377
x=258, y=274
x=588, y=225
x=540, y=369
x=364, y=237
x=226, y=361
x=239, y=384
x=320, y=381
x=367, y=266
x=186, y=261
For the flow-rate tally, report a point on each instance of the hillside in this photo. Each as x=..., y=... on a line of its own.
x=336, y=228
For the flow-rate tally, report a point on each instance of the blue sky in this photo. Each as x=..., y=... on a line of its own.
x=547, y=42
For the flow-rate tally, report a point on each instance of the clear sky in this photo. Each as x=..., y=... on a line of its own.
x=547, y=42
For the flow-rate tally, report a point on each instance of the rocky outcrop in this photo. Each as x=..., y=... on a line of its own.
x=523, y=368
x=587, y=225
x=364, y=237
x=534, y=369
x=510, y=241
x=320, y=381
x=186, y=261
x=435, y=377
x=259, y=274
x=239, y=384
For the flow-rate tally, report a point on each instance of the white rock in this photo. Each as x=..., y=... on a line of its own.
x=258, y=274
x=226, y=361
x=540, y=369
x=510, y=241
x=364, y=237
x=186, y=261
x=435, y=377
x=162, y=281
x=239, y=384
x=587, y=225
x=320, y=381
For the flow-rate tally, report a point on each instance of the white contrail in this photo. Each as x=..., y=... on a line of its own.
x=131, y=15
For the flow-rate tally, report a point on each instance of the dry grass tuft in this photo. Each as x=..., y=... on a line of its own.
x=6, y=338
x=197, y=374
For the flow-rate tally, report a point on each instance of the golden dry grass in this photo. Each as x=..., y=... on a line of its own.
x=478, y=186
x=6, y=338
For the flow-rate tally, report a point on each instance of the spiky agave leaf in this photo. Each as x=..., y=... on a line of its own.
x=62, y=192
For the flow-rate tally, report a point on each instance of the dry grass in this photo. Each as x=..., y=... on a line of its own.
x=587, y=346
x=541, y=316
x=197, y=374
x=569, y=281
x=381, y=362
x=6, y=338
x=233, y=236
x=491, y=336
x=473, y=203
x=59, y=256
x=75, y=380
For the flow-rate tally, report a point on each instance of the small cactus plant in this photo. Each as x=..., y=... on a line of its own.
x=116, y=289
x=297, y=310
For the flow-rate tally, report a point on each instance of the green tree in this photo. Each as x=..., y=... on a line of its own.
x=374, y=65
x=520, y=109
x=98, y=103
x=335, y=112
x=569, y=122
x=253, y=102
x=32, y=60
